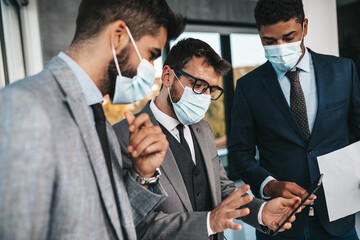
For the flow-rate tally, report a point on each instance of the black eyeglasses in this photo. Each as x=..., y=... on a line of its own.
x=200, y=86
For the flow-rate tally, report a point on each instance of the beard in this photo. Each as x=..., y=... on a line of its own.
x=125, y=67
x=174, y=96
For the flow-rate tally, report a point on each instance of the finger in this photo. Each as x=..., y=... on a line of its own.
x=237, y=194
x=237, y=213
x=129, y=119
x=240, y=201
x=160, y=146
x=137, y=137
x=140, y=121
x=233, y=226
x=296, y=189
x=311, y=199
x=286, y=226
x=150, y=144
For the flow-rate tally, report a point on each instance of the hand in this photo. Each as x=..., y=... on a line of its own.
x=221, y=217
x=277, y=210
x=290, y=190
x=147, y=144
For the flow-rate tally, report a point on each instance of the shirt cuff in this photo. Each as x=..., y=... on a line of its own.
x=260, y=214
x=266, y=181
x=210, y=232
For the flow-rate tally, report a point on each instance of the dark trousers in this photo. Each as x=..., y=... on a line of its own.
x=313, y=231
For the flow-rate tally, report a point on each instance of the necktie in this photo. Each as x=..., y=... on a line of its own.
x=183, y=142
x=297, y=102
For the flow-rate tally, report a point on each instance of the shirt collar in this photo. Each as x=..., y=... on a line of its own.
x=91, y=92
x=168, y=122
x=304, y=65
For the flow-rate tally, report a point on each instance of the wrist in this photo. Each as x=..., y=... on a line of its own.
x=145, y=181
x=268, y=188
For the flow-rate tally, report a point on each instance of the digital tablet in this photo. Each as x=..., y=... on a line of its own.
x=311, y=190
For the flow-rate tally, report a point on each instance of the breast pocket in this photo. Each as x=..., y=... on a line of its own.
x=335, y=104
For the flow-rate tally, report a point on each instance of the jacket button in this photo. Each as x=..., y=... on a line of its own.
x=197, y=173
x=310, y=150
x=197, y=194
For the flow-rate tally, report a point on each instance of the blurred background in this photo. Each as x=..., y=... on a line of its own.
x=33, y=31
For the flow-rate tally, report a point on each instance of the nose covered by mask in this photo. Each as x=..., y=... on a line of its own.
x=191, y=107
x=130, y=90
x=284, y=56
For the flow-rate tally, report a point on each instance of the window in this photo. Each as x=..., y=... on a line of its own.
x=12, y=62
x=247, y=53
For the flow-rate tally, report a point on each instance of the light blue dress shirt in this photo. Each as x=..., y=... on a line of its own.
x=308, y=85
x=91, y=92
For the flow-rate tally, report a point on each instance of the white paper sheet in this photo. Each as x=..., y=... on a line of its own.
x=341, y=181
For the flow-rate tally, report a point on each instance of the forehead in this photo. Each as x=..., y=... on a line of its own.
x=198, y=68
x=279, y=29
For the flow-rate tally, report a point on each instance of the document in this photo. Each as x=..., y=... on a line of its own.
x=341, y=181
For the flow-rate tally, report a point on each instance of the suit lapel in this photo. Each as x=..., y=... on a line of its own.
x=271, y=83
x=82, y=117
x=322, y=74
x=170, y=168
x=205, y=151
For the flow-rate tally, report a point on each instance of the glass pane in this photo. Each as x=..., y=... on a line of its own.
x=2, y=75
x=216, y=113
x=115, y=112
x=13, y=42
x=247, y=53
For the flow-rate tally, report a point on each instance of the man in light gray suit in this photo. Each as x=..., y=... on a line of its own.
x=61, y=171
x=202, y=200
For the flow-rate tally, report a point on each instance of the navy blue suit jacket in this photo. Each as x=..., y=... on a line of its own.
x=262, y=117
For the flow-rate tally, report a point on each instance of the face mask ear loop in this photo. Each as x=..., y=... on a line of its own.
x=134, y=44
x=178, y=79
x=115, y=58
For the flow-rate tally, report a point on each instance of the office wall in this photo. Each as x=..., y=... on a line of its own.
x=323, y=31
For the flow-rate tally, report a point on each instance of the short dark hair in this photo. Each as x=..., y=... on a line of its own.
x=187, y=48
x=141, y=16
x=269, y=12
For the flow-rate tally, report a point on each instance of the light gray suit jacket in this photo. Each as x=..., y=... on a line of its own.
x=54, y=182
x=175, y=218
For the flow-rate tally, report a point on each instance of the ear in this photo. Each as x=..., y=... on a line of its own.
x=119, y=35
x=306, y=22
x=167, y=76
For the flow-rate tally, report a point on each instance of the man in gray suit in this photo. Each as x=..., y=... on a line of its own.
x=61, y=171
x=202, y=201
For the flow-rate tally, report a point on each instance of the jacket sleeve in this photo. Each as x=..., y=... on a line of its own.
x=242, y=144
x=142, y=201
x=27, y=164
x=354, y=112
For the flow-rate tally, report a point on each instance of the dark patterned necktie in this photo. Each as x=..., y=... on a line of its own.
x=183, y=142
x=297, y=102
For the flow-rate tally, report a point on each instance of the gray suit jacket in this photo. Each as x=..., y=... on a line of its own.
x=54, y=182
x=175, y=218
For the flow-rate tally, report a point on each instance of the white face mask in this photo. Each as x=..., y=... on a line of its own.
x=284, y=56
x=130, y=90
x=191, y=107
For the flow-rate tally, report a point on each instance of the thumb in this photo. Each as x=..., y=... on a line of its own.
x=129, y=119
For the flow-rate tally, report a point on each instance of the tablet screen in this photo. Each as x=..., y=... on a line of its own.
x=311, y=190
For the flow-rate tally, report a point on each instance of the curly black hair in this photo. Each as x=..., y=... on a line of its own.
x=269, y=12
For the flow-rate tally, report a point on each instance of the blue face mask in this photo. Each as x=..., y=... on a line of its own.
x=284, y=56
x=191, y=107
x=130, y=90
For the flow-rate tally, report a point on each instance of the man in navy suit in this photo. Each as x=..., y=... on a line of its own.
x=295, y=107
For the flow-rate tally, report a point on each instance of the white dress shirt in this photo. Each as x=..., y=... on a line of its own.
x=170, y=124
x=308, y=85
x=91, y=93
